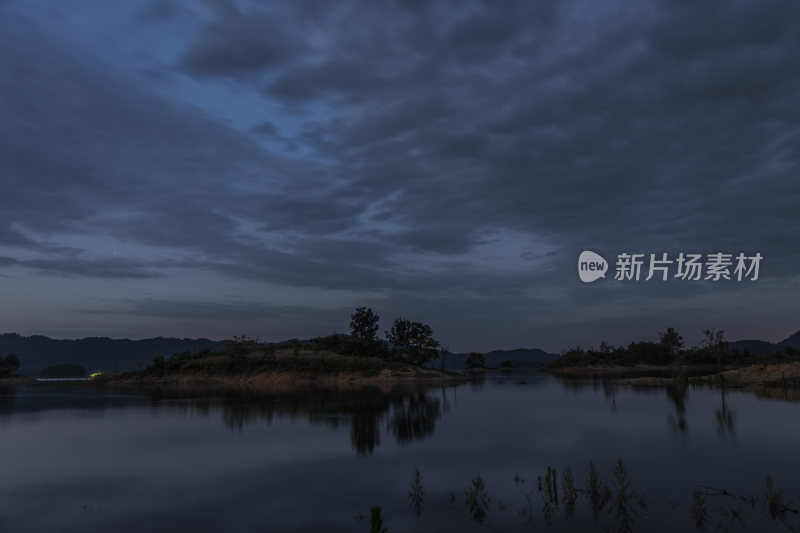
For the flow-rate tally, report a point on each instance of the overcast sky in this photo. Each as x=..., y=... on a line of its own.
x=217, y=168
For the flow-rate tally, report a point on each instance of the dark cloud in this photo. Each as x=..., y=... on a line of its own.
x=236, y=43
x=93, y=268
x=451, y=157
x=202, y=310
x=160, y=10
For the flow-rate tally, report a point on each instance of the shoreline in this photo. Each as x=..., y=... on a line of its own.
x=17, y=380
x=284, y=380
x=751, y=378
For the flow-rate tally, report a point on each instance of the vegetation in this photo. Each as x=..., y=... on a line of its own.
x=412, y=342
x=360, y=351
x=272, y=357
x=375, y=521
x=364, y=324
x=671, y=341
x=556, y=499
x=349, y=345
x=8, y=364
x=416, y=495
x=476, y=360
x=670, y=350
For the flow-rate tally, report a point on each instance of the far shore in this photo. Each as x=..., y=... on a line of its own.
x=281, y=380
x=755, y=377
x=17, y=380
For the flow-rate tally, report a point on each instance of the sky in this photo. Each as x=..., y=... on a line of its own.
x=216, y=168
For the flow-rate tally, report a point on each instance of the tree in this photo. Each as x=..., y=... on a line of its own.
x=364, y=324
x=159, y=366
x=715, y=343
x=412, y=341
x=9, y=364
x=476, y=360
x=714, y=338
x=672, y=342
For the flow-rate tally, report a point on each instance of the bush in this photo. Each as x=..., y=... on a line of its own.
x=348, y=345
x=476, y=360
x=8, y=364
x=413, y=341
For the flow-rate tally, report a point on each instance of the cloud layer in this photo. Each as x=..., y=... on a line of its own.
x=441, y=160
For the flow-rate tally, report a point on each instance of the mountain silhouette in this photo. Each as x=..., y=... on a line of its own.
x=96, y=354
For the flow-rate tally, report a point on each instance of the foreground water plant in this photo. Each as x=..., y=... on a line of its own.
x=612, y=506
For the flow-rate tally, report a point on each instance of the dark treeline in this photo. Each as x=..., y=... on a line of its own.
x=8, y=364
x=671, y=350
x=362, y=350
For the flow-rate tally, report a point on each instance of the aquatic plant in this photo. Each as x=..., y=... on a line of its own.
x=376, y=521
x=699, y=509
x=570, y=493
x=618, y=500
x=415, y=493
x=477, y=499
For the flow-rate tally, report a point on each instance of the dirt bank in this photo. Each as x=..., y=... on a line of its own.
x=605, y=371
x=774, y=374
x=278, y=381
x=779, y=380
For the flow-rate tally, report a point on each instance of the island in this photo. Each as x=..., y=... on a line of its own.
x=755, y=366
x=334, y=361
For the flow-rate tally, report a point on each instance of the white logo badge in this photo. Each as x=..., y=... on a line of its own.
x=591, y=266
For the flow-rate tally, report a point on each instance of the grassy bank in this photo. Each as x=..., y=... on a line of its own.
x=669, y=355
x=247, y=363
x=773, y=380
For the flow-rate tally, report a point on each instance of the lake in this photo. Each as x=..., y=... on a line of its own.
x=81, y=459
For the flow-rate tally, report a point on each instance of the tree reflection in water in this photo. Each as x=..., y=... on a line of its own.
x=725, y=424
x=610, y=392
x=677, y=393
x=409, y=414
x=414, y=416
x=8, y=395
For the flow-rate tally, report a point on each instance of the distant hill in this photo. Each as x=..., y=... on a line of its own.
x=520, y=357
x=767, y=348
x=792, y=341
x=755, y=347
x=96, y=354
x=103, y=354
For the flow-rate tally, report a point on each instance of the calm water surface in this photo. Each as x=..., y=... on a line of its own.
x=78, y=459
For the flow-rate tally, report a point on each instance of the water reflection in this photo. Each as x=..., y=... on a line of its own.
x=610, y=392
x=405, y=413
x=214, y=460
x=414, y=416
x=677, y=394
x=477, y=379
x=725, y=416
x=8, y=396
